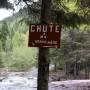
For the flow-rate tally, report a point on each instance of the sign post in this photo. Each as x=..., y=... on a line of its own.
x=44, y=36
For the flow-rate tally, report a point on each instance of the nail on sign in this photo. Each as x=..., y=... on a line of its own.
x=41, y=35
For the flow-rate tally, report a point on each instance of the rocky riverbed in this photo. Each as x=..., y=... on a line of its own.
x=28, y=81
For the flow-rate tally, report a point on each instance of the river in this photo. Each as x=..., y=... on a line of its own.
x=28, y=81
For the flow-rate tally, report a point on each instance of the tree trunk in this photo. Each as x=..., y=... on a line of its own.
x=43, y=60
x=1, y=63
x=86, y=71
x=43, y=69
x=55, y=66
x=66, y=68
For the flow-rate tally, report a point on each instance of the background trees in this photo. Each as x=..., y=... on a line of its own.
x=6, y=4
x=14, y=52
x=73, y=53
x=73, y=56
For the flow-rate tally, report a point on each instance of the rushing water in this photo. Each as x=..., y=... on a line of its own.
x=28, y=81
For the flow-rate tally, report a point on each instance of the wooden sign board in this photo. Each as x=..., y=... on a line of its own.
x=46, y=36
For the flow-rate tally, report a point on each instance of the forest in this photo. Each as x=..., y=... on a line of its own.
x=16, y=55
x=70, y=61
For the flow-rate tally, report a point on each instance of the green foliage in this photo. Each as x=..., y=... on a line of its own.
x=75, y=44
x=1, y=63
x=15, y=53
x=66, y=5
x=20, y=59
x=17, y=40
x=4, y=33
x=13, y=35
x=6, y=4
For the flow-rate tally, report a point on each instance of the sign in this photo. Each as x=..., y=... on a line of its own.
x=41, y=35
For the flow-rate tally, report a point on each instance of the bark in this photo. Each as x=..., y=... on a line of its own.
x=55, y=67
x=66, y=69
x=86, y=71
x=1, y=63
x=43, y=60
x=43, y=69
x=76, y=70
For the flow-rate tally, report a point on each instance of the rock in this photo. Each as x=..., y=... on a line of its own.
x=4, y=72
x=1, y=79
